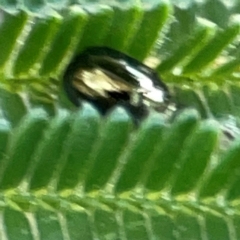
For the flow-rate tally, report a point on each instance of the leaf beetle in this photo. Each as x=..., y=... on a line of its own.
x=106, y=77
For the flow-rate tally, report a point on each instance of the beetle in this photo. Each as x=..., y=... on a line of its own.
x=106, y=77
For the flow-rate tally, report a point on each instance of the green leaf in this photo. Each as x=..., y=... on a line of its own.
x=23, y=143
x=15, y=22
x=194, y=158
x=142, y=145
x=154, y=19
x=65, y=42
x=35, y=46
x=49, y=151
x=204, y=31
x=80, y=143
x=213, y=48
x=164, y=158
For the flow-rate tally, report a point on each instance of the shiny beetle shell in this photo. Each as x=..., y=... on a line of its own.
x=106, y=78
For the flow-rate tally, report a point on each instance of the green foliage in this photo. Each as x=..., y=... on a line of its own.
x=73, y=174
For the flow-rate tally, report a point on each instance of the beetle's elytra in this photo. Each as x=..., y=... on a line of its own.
x=106, y=77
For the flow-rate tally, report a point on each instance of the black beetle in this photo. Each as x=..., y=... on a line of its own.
x=106, y=77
